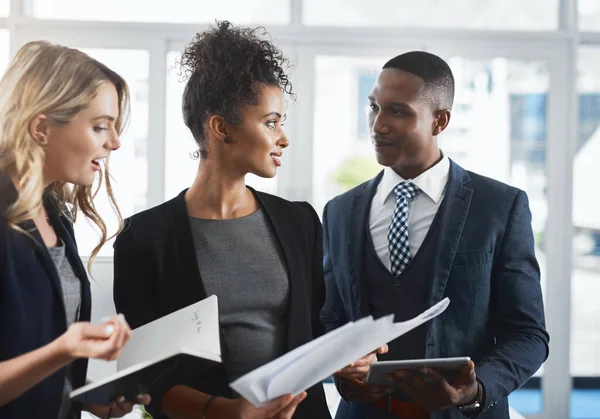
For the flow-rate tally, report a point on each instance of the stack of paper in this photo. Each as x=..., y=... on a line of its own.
x=314, y=361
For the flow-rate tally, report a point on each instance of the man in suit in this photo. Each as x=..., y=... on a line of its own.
x=421, y=230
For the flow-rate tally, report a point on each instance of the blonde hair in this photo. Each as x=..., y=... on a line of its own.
x=57, y=82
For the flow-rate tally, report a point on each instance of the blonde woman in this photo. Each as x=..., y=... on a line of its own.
x=61, y=113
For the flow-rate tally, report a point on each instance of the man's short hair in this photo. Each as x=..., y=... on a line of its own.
x=434, y=71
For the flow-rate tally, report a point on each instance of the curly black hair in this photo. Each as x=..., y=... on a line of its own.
x=224, y=67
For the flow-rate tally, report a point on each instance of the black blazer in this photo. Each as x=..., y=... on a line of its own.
x=32, y=313
x=156, y=273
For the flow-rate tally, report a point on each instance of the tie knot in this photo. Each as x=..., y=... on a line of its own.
x=406, y=189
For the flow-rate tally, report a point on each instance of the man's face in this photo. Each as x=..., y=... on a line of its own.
x=401, y=120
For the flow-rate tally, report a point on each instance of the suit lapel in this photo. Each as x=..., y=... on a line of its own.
x=64, y=229
x=42, y=254
x=191, y=284
x=357, y=240
x=452, y=217
x=284, y=229
x=8, y=195
x=58, y=222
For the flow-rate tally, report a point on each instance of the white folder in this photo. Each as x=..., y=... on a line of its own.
x=187, y=339
x=195, y=328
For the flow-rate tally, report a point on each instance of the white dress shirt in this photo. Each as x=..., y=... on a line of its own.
x=421, y=210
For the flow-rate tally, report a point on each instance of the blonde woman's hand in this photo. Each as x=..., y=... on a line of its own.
x=103, y=341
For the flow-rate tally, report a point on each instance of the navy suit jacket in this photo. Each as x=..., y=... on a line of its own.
x=484, y=262
x=32, y=313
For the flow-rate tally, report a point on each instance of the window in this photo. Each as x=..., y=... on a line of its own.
x=342, y=85
x=4, y=7
x=4, y=50
x=529, y=15
x=174, y=11
x=589, y=15
x=585, y=279
x=128, y=165
x=180, y=167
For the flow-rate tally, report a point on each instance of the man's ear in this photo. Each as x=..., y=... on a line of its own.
x=441, y=121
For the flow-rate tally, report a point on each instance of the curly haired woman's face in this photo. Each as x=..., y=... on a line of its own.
x=73, y=151
x=257, y=143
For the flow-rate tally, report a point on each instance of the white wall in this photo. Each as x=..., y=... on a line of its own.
x=102, y=306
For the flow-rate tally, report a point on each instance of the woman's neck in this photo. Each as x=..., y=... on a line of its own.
x=217, y=194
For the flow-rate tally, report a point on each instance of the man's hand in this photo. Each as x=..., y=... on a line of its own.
x=429, y=389
x=352, y=379
x=359, y=369
x=358, y=391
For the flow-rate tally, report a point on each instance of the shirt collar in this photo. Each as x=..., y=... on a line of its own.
x=431, y=182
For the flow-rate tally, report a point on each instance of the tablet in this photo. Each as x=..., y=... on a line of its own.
x=447, y=367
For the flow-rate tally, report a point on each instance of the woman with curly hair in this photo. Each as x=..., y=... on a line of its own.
x=61, y=113
x=260, y=254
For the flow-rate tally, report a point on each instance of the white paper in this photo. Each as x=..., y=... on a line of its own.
x=314, y=361
x=195, y=328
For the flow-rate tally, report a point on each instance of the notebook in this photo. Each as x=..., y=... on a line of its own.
x=188, y=339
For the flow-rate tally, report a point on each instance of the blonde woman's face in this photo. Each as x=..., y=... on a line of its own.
x=75, y=150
